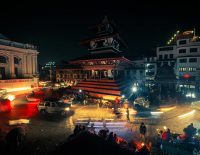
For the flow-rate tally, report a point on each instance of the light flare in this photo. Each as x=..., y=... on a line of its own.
x=187, y=114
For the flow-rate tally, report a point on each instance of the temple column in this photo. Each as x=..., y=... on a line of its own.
x=12, y=66
x=36, y=65
x=24, y=69
x=33, y=64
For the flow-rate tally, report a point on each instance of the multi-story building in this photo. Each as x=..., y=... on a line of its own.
x=17, y=62
x=145, y=70
x=183, y=54
x=101, y=72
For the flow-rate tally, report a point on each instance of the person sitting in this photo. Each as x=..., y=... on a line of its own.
x=166, y=135
x=189, y=131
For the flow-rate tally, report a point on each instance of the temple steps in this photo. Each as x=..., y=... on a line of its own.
x=106, y=89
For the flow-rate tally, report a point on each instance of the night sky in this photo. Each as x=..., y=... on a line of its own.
x=58, y=27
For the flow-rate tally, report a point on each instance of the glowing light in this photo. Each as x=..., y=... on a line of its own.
x=19, y=121
x=186, y=76
x=156, y=112
x=178, y=31
x=167, y=108
x=123, y=96
x=142, y=144
x=134, y=89
x=164, y=127
x=148, y=65
x=10, y=97
x=187, y=114
x=67, y=109
x=192, y=95
x=17, y=89
x=80, y=90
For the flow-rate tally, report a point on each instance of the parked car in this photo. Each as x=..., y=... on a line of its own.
x=141, y=102
x=5, y=105
x=53, y=107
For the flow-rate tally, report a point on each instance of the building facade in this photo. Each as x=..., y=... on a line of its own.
x=17, y=60
x=183, y=55
x=145, y=70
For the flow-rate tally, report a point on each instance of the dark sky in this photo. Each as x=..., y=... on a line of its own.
x=57, y=27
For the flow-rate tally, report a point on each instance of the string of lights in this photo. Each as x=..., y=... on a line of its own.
x=173, y=37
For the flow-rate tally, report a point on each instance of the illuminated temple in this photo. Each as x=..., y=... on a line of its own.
x=103, y=71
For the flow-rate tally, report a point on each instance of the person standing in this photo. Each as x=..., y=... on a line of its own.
x=127, y=115
x=143, y=130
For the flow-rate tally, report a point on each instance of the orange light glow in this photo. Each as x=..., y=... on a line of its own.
x=17, y=89
x=110, y=97
x=167, y=109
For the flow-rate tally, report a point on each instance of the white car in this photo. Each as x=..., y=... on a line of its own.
x=53, y=107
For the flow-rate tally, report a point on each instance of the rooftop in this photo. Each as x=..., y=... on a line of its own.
x=99, y=56
x=5, y=41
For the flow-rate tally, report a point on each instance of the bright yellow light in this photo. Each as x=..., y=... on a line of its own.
x=187, y=114
x=164, y=127
x=17, y=89
x=156, y=112
x=19, y=121
x=167, y=108
x=67, y=109
x=10, y=97
x=142, y=144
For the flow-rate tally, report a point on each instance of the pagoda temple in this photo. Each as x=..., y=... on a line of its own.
x=103, y=71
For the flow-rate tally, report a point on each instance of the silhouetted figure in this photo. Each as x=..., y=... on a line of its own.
x=76, y=130
x=14, y=139
x=110, y=137
x=92, y=129
x=127, y=115
x=190, y=131
x=143, y=130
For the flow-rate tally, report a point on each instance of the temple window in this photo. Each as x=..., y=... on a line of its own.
x=16, y=61
x=3, y=59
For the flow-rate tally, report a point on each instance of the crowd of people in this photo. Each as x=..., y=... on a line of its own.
x=188, y=140
x=113, y=138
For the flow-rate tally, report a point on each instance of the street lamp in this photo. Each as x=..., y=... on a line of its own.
x=134, y=89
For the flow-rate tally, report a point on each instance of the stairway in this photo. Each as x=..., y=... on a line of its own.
x=105, y=89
